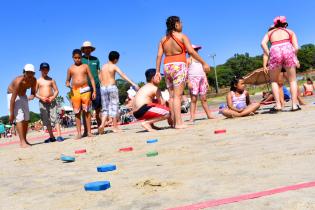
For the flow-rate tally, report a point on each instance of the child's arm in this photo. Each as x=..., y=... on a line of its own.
x=68, y=78
x=123, y=75
x=92, y=81
x=33, y=90
x=194, y=54
x=56, y=91
x=247, y=99
x=230, y=104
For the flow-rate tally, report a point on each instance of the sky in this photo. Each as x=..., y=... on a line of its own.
x=34, y=31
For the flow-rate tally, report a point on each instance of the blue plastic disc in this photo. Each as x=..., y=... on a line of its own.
x=97, y=186
x=150, y=141
x=67, y=158
x=105, y=168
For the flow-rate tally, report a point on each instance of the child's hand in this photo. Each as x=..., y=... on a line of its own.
x=93, y=95
x=298, y=65
x=266, y=69
x=206, y=67
x=11, y=118
x=136, y=87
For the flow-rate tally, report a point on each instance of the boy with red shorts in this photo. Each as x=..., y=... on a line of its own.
x=149, y=104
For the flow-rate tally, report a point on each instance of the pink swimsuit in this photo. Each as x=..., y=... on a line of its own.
x=239, y=102
x=197, y=78
x=282, y=53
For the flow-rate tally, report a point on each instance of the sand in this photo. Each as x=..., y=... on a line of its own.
x=256, y=153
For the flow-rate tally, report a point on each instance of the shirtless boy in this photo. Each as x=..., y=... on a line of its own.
x=19, y=101
x=109, y=90
x=149, y=104
x=46, y=92
x=78, y=74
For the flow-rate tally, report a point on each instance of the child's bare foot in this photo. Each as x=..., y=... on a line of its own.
x=101, y=130
x=77, y=137
x=147, y=126
x=90, y=135
x=24, y=145
x=191, y=120
x=211, y=117
x=182, y=126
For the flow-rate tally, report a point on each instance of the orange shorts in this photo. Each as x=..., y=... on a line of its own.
x=81, y=99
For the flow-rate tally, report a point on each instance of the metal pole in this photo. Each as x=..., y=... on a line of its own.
x=215, y=73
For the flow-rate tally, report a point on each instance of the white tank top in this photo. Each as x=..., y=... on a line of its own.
x=195, y=69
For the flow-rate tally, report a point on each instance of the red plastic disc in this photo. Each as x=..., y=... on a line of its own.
x=127, y=149
x=80, y=151
x=220, y=131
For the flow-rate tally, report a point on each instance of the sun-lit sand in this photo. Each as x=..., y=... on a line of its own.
x=256, y=153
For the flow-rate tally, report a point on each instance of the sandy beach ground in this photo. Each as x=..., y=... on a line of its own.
x=256, y=153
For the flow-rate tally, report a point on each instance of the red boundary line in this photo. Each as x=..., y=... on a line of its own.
x=218, y=202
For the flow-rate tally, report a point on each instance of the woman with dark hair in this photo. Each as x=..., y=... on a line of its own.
x=174, y=46
x=282, y=54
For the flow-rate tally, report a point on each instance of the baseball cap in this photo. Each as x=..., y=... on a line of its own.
x=87, y=44
x=29, y=67
x=44, y=65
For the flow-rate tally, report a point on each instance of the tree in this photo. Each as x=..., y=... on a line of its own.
x=306, y=56
x=123, y=87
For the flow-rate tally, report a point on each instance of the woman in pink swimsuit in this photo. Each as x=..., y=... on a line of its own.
x=282, y=54
x=174, y=46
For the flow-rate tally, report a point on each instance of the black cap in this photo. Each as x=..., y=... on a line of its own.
x=44, y=65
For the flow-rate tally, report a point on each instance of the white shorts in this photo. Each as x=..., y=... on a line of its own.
x=21, y=110
x=9, y=96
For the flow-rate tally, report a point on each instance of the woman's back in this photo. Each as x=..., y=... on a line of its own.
x=172, y=44
x=279, y=34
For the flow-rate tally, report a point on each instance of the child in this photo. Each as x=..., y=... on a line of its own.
x=47, y=91
x=145, y=108
x=109, y=90
x=80, y=90
x=308, y=87
x=238, y=101
x=198, y=85
x=19, y=109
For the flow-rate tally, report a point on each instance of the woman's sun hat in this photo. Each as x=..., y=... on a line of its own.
x=281, y=19
x=196, y=47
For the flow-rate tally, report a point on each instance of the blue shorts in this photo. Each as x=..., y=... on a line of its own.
x=97, y=103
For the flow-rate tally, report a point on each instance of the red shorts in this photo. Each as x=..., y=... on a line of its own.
x=150, y=111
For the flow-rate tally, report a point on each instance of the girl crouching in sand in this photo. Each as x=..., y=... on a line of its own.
x=238, y=101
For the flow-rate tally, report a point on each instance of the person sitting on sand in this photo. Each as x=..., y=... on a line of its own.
x=308, y=87
x=148, y=103
x=238, y=101
x=19, y=109
x=109, y=91
x=78, y=74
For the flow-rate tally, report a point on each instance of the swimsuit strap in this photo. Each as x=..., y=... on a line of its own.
x=180, y=43
x=283, y=29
